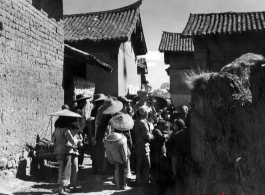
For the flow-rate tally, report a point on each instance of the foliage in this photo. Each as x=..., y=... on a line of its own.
x=195, y=78
x=165, y=85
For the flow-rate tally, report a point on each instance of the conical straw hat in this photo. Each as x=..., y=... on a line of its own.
x=65, y=112
x=111, y=106
x=122, y=122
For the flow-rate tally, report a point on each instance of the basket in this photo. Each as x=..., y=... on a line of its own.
x=45, y=149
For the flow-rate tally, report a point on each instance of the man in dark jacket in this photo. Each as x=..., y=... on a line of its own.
x=180, y=149
x=159, y=151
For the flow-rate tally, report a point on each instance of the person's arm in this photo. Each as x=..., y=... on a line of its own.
x=170, y=143
x=70, y=138
x=145, y=131
x=135, y=108
x=53, y=138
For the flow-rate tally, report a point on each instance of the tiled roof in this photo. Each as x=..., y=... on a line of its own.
x=86, y=56
x=112, y=25
x=222, y=23
x=175, y=42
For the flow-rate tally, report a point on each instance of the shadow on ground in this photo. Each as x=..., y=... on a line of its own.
x=89, y=183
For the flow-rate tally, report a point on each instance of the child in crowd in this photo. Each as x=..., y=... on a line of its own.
x=74, y=128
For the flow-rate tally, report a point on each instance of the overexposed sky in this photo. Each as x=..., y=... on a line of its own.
x=163, y=15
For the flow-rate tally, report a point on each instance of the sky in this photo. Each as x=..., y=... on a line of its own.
x=163, y=15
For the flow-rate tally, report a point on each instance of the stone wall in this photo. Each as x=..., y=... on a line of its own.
x=31, y=69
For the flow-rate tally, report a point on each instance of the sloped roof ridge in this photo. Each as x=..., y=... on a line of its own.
x=230, y=12
x=171, y=32
x=91, y=57
x=135, y=5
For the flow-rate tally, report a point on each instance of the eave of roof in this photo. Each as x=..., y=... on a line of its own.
x=87, y=57
x=224, y=23
x=112, y=25
x=175, y=42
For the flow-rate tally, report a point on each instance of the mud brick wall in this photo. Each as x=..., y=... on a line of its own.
x=213, y=52
x=179, y=64
x=31, y=69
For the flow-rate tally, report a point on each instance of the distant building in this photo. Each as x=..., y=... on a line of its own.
x=178, y=53
x=116, y=38
x=142, y=70
x=220, y=38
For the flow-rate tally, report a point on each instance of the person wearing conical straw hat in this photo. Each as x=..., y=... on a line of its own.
x=116, y=147
x=97, y=101
x=110, y=107
x=127, y=109
x=63, y=141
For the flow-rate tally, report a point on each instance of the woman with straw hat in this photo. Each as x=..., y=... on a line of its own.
x=116, y=147
x=63, y=141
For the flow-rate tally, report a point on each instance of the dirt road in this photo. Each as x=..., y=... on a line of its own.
x=88, y=184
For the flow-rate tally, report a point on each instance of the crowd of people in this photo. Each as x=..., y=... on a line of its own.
x=144, y=139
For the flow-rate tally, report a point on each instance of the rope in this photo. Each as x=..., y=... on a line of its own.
x=50, y=122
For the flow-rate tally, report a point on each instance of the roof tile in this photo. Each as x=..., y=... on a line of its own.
x=117, y=25
x=222, y=23
x=175, y=42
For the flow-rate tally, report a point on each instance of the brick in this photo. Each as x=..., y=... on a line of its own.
x=9, y=164
x=14, y=164
x=23, y=66
x=3, y=163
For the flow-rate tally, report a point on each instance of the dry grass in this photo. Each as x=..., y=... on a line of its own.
x=195, y=78
x=241, y=67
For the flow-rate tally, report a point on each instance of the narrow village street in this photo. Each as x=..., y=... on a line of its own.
x=88, y=184
x=170, y=92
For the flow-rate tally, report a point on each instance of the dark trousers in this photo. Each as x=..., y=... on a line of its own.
x=81, y=151
x=164, y=172
x=98, y=157
x=142, y=168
